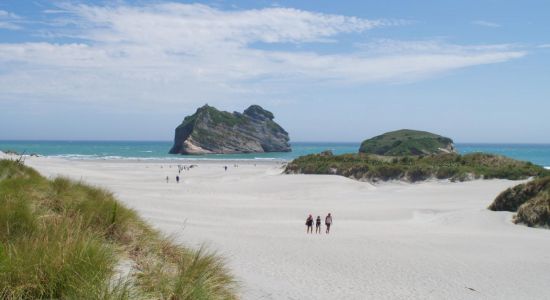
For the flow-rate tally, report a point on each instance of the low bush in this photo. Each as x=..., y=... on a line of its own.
x=536, y=211
x=416, y=168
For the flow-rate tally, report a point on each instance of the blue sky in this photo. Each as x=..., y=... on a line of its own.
x=476, y=71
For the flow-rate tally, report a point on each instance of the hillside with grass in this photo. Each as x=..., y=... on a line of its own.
x=530, y=200
x=450, y=166
x=407, y=142
x=61, y=239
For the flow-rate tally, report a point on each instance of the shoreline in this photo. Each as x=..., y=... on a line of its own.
x=157, y=151
x=182, y=160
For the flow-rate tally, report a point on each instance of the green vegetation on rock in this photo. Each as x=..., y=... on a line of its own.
x=530, y=200
x=407, y=142
x=416, y=168
x=222, y=117
x=61, y=239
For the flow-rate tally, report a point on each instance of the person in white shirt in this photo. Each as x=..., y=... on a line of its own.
x=328, y=222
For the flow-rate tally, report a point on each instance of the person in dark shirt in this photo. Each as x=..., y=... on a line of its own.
x=318, y=225
x=309, y=224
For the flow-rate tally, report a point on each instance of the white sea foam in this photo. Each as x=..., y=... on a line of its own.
x=160, y=158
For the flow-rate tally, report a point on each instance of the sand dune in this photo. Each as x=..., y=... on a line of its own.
x=432, y=240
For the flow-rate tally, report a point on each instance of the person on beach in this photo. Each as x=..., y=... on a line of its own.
x=309, y=224
x=328, y=222
x=167, y=179
x=177, y=179
x=318, y=225
x=225, y=168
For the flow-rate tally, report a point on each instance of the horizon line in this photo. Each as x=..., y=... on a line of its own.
x=327, y=142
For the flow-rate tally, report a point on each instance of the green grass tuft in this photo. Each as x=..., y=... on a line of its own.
x=61, y=239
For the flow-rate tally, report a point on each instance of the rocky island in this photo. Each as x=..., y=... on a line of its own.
x=211, y=131
x=407, y=142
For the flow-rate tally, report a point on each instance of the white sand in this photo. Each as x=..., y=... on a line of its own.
x=393, y=241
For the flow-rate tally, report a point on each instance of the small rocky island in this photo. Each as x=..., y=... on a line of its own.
x=211, y=131
x=407, y=142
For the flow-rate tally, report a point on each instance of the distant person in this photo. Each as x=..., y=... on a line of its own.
x=225, y=168
x=318, y=225
x=328, y=222
x=309, y=224
x=177, y=179
x=167, y=179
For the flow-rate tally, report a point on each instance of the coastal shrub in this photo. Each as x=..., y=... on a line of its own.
x=531, y=200
x=358, y=171
x=416, y=168
x=387, y=172
x=512, y=198
x=461, y=177
x=446, y=172
x=536, y=211
x=418, y=173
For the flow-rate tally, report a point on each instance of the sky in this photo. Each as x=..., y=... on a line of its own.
x=341, y=71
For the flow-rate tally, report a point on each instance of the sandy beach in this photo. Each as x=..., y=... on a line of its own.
x=433, y=240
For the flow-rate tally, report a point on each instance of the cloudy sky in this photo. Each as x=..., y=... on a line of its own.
x=474, y=70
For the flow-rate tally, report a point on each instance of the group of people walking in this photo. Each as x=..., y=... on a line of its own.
x=309, y=224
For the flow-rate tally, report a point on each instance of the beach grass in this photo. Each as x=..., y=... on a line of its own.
x=61, y=239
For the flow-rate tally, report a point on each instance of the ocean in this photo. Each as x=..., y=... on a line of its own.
x=536, y=153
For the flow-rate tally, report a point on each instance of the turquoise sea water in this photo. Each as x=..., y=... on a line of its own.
x=536, y=153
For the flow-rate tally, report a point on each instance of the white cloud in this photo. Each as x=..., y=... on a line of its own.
x=189, y=53
x=8, y=15
x=486, y=24
x=181, y=25
x=9, y=20
x=9, y=25
x=544, y=46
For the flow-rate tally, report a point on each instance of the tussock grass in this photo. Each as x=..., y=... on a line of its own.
x=536, y=211
x=61, y=239
x=531, y=200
